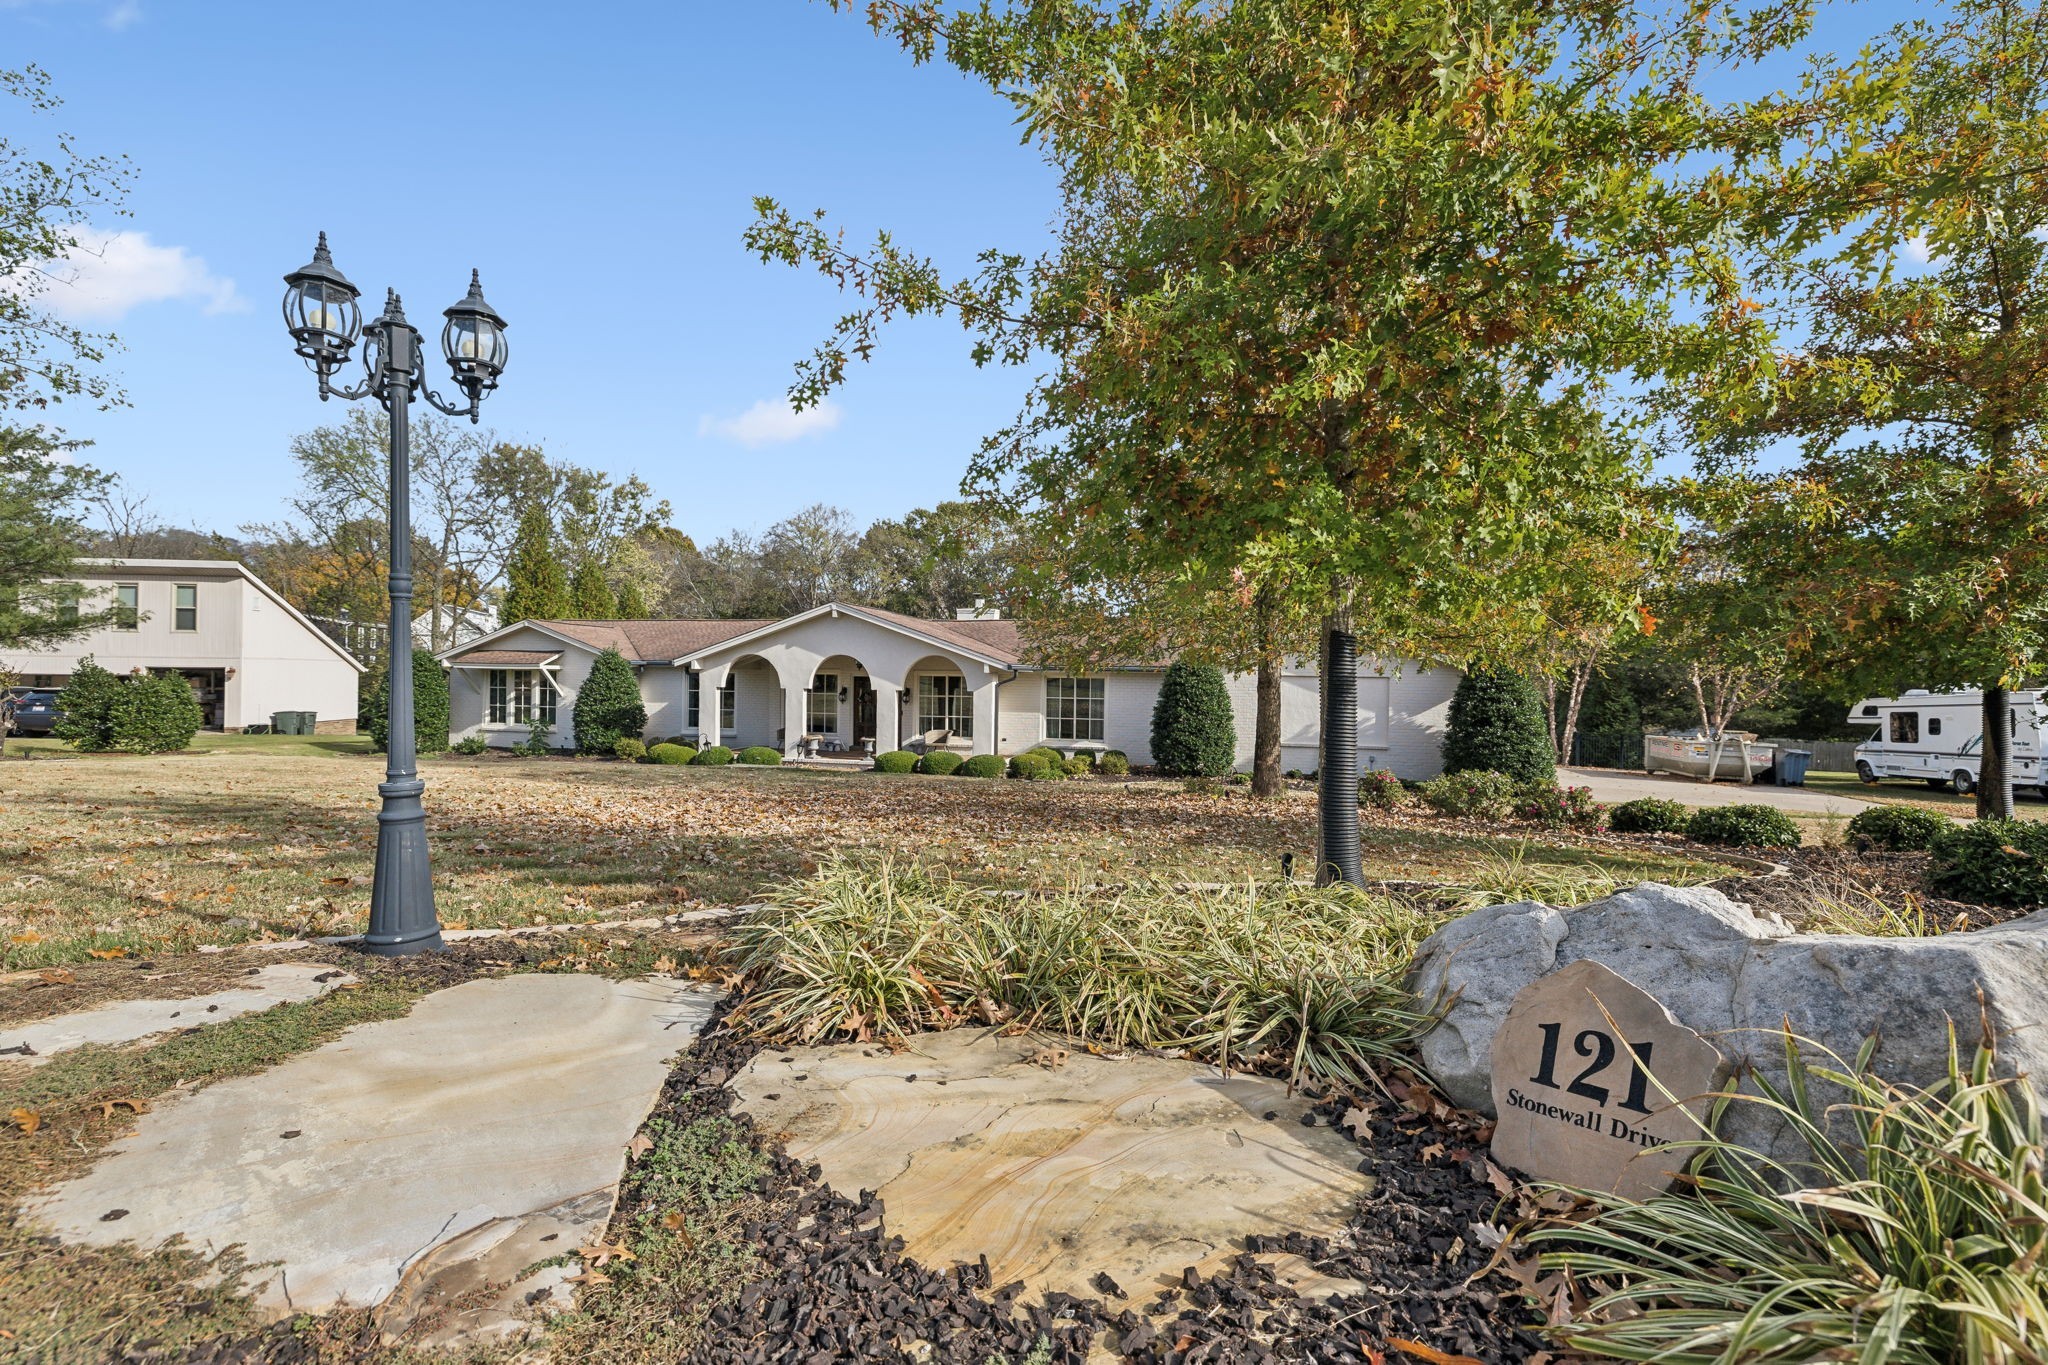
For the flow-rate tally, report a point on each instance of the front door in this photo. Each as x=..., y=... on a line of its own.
x=863, y=711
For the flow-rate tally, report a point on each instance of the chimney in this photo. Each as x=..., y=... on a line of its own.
x=980, y=611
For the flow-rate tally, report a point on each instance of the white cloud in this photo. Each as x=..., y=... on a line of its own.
x=1917, y=251
x=123, y=14
x=772, y=422
x=108, y=273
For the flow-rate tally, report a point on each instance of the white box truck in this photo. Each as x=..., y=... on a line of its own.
x=1938, y=737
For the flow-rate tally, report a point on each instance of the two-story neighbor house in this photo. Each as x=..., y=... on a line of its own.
x=245, y=650
x=846, y=678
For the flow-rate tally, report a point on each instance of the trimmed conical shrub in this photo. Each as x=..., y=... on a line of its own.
x=1496, y=725
x=608, y=705
x=1193, y=732
x=429, y=706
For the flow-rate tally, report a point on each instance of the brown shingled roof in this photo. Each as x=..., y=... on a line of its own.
x=508, y=658
x=662, y=641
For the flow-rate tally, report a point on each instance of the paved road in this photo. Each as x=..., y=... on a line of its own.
x=1612, y=786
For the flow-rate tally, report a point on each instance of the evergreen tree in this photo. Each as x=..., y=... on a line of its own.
x=589, y=598
x=89, y=699
x=1496, y=725
x=1193, y=732
x=608, y=705
x=632, y=606
x=536, y=588
x=148, y=713
x=429, y=706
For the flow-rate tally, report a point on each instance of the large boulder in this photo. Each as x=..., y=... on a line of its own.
x=1741, y=979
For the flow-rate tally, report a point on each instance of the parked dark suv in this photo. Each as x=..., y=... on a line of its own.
x=28, y=711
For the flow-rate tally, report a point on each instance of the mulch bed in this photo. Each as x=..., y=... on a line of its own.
x=839, y=1286
x=1845, y=875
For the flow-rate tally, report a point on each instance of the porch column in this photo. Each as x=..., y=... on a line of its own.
x=708, y=683
x=985, y=736
x=888, y=714
x=796, y=716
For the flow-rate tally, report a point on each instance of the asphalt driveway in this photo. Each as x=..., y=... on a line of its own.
x=1613, y=786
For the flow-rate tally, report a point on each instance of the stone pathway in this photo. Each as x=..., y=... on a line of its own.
x=416, y=1158
x=1057, y=1165
x=131, y=1021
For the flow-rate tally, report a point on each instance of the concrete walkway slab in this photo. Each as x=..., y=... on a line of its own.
x=131, y=1021
x=1062, y=1167
x=1613, y=787
x=490, y=1122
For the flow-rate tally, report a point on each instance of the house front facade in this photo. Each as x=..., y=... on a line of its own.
x=852, y=679
x=246, y=651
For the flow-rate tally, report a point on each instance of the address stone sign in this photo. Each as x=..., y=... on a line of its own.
x=1573, y=1069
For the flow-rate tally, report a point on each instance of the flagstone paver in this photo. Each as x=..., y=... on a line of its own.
x=131, y=1021
x=1055, y=1164
x=487, y=1128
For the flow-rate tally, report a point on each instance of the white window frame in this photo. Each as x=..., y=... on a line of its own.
x=821, y=714
x=945, y=703
x=728, y=705
x=1075, y=709
x=178, y=612
x=696, y=691
x=128, y=614
x=520, y=696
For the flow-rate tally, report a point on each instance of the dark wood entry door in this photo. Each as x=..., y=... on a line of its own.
x=863, y=710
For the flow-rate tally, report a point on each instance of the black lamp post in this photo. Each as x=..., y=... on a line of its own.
x=321, y=312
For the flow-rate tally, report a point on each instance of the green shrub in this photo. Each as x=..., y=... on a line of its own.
x=1992, y=862
x=1557, y=807
x=470, y=746
x=982, y=765
x=1193, y=733
x=671, y=754
x=539, y=741
x=1029, y=766
x=145, y=713
x=1898, y=829
x=716, y=756
x=1743, y=827
x=628, y=748
x=896, y=761
x=1648, y=815
x=1114, y=763
x=1913, y=1237
x=1473, y=795
x=1379, y=789
x=1496, y=725
x=939, y=763
x=1080, y=765
x=760, y=756
x=608, y=705
x=429, y=706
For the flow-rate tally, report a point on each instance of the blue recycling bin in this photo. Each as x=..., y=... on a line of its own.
x=1792, y=766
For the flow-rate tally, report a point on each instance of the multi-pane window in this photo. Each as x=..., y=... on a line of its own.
x=944, y=703
x=1073, y=708
x=728, y=706
x=695, y=688
x=69, y=595
x=127, y=605
x=522, y=696
x=185, y=607
x=823, y=718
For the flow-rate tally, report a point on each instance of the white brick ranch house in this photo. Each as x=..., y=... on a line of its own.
x=846, y=678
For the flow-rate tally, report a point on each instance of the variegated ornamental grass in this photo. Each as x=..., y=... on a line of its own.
x=1917, y=1236
x=1293, y=980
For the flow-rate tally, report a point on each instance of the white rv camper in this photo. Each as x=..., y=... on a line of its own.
x=1938, y=737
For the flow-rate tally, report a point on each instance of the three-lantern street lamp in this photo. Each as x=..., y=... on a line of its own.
x=321, y=312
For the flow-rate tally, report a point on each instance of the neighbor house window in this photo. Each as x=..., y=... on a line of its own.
x=1073, y=708
x=521, y=696
x=1905, y=727
x=126, y=606
x=69, y=595
x=695, y=689
x=943, y=703
x=728, y=705
x=824, y=709
x=185, y=607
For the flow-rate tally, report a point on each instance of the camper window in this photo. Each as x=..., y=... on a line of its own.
x=1934, y=725
x=1905, y=727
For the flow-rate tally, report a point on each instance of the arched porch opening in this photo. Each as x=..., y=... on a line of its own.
x=943, y=707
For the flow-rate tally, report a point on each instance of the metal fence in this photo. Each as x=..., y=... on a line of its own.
x=1829, y=755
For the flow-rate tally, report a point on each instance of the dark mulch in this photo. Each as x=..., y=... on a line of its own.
x=839, y=1286
x=1897, y=879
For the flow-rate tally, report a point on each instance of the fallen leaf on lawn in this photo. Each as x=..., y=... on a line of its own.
x=1433, y=1151
x=107, y=1107
x=26, y=936
x=1431, y=1353
x=602, y=1253
x=107, y=954
x=588, y=1277
x=28, y=1120
x=640, y=1146
x=665, y=965
x=1357, y=1120
x=57, y=976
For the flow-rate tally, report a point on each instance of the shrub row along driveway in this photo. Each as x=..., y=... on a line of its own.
x=138, y=855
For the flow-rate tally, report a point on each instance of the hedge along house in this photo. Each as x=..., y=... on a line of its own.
x=852, y=679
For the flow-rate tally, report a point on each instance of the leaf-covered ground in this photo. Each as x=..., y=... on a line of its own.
x=119, y=856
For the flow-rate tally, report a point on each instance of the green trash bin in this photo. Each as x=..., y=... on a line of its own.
x=281, y=722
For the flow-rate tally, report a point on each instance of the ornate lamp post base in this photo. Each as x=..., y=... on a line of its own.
x=402, y=915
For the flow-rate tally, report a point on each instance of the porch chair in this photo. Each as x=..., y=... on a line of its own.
x=930, y=740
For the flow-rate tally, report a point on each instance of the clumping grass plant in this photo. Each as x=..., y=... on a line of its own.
x=1916, y=1237
x=1298, y=981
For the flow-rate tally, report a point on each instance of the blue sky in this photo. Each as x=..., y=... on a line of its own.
x=600, y=172
x=598, y=169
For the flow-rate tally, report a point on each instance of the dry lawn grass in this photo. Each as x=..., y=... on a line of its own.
x=128, y=856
